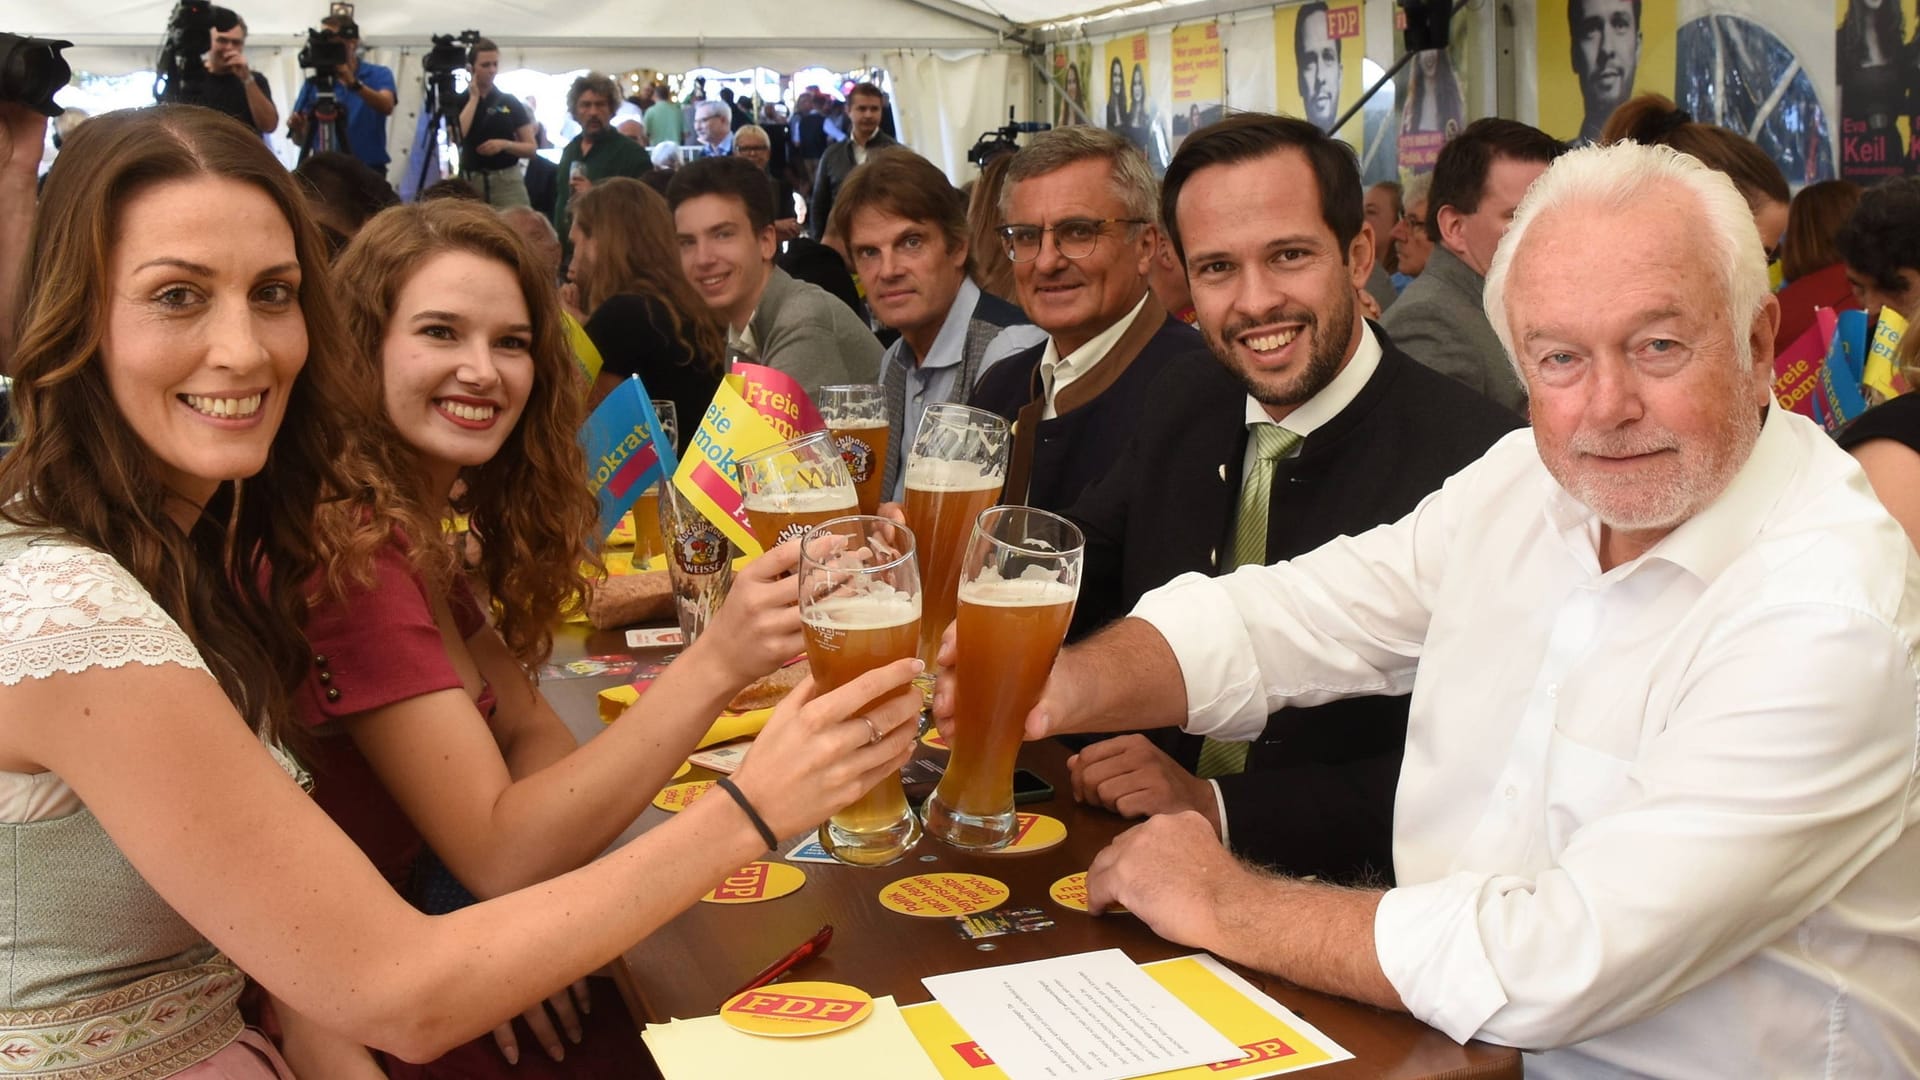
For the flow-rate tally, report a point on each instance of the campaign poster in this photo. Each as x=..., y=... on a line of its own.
x=1318, y=50
x=1873, y=49
x=1596, y=56
x=1199, y=80
x=1128, y=114
x=1433, y=110
x=1072, y=67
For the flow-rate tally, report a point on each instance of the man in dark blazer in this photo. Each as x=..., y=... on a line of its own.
x=1370, y=432
x=1080, y=228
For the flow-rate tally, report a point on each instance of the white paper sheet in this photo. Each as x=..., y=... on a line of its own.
x=1094, y=1016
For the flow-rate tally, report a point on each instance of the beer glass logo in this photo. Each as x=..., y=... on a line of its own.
x=700, y=551
x=858, y=456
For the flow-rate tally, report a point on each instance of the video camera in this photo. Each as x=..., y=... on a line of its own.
x=450, y=53
x=1003, y=140
x=326, y=47
x=189, y=37
x=31, y=71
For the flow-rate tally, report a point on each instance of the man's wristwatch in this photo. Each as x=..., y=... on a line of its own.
x=354, y=86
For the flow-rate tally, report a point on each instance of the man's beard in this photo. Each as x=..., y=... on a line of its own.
x=1323, y=360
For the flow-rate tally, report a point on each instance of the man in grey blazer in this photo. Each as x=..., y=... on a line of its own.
x=1479, y=179
x=723, y=219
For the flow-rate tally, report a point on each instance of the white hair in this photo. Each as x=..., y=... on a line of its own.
x=710, y=108
x=664, y=155
x=1417, y=190
x=1621, y=176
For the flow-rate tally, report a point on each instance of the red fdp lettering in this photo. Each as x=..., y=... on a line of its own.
x=1140, y=48
x=792, y=1007
x=971, y=1053
x=1264, y=1050
x=748, y=884
x=1022, y=825
x=1344, y=22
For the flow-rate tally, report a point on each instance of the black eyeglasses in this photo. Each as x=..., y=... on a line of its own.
x=1075, y=237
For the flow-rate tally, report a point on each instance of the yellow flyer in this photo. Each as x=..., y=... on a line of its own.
x=1274, y=1040
x=1883, y=365
x=754, y=408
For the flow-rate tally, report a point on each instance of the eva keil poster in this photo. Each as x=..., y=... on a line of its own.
x=1874, y=51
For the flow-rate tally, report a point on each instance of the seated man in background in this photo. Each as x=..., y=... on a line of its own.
x=723, y=218
x=1411, y=244
x=1880, y=245
x=905, y=227
x=1627, y=838
x=1079, y=211
x=1266, y=454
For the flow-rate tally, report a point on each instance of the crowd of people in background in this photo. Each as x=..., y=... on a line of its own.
x=1437, y=557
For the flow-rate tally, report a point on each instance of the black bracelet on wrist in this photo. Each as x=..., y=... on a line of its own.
x=727, y=785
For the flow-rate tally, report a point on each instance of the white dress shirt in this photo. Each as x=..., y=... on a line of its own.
x=1306, y=418
x=1661, y=816
x=1058, y=372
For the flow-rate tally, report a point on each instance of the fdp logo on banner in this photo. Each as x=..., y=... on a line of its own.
x=802, y=1008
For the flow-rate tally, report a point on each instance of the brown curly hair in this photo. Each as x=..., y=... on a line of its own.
x=637, y=253
x=234, y=583
x=529, y=505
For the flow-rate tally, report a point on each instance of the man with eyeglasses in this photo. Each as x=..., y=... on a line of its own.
x=1412, y=245
x=1305, y=424
x=1079, y=213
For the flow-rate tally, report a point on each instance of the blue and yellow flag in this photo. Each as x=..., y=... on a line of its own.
x=627, y=452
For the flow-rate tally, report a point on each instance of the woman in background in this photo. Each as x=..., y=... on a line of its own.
x=1815, y=274
x=1653, y=120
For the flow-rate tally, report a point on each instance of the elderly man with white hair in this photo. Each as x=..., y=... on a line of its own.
x=713, y=128
x=1657, y=813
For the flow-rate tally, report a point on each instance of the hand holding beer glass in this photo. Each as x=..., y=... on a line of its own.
x=956, y=469
x=1018, y=584
x=860, y=605
x=856, y=416
x=791, y=487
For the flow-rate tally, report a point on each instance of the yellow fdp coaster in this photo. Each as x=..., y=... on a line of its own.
x=786, y=1010
x=939, y=895
x=1032, y=832
x=932, y=738
x=685, y=768
x=677, y=797
x=755, y=882
x=1071, y=892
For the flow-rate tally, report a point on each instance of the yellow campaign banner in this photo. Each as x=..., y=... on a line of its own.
x=1199, y=79
x=754, y=408
x=1595, y=56
x=1128, y=114
x=1072, y=68
x=1319, y=49
x=1882, y=375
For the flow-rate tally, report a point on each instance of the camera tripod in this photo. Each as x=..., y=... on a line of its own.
x=327, y=130
x=440, y=104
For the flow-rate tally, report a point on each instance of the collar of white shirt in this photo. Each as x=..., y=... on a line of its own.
x=1706, y=543
x=1058, y=372
x=1332, y=398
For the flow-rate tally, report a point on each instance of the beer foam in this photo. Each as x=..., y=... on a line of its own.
x=864, y=424
x=1022, y=592
x=935, y=474
x=804, y=501
x=879, y=609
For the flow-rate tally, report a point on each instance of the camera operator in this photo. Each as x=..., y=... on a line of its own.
x=230, y=85
x=367, y=96
x=497, y=132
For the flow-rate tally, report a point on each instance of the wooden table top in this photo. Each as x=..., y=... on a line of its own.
x=691, y=965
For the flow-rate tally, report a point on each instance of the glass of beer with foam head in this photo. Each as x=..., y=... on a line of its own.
x=792, y=486
x=955, y=470
x=649, y=542
x=860, y=603
x=856, y=416
x=1018, y=583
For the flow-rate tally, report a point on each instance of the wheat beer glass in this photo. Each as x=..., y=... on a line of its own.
x=856, y=416
x=649, y=541
x=860, y=603
x=1018, y=583
x=955, y=470
x=792, y=486
x=699, y=562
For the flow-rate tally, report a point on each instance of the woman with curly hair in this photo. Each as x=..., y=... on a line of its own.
x=646, y=319
x=184, y=396
x=436, y=752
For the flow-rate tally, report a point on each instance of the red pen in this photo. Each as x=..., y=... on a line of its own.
x=813, y=946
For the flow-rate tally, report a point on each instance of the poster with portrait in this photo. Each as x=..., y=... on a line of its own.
x=1199, y=79
x=1873, y=55
x=1433, y=109
x=1598, y=54
x=1128, y=114
x=1318, y=48
x=1072, y=67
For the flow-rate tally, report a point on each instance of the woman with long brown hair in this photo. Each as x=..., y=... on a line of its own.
x=436, y=750
x=646, y=318
x=1654, y=120
x=176, y=341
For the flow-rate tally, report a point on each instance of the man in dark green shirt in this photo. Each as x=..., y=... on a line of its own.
x=598, y=152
